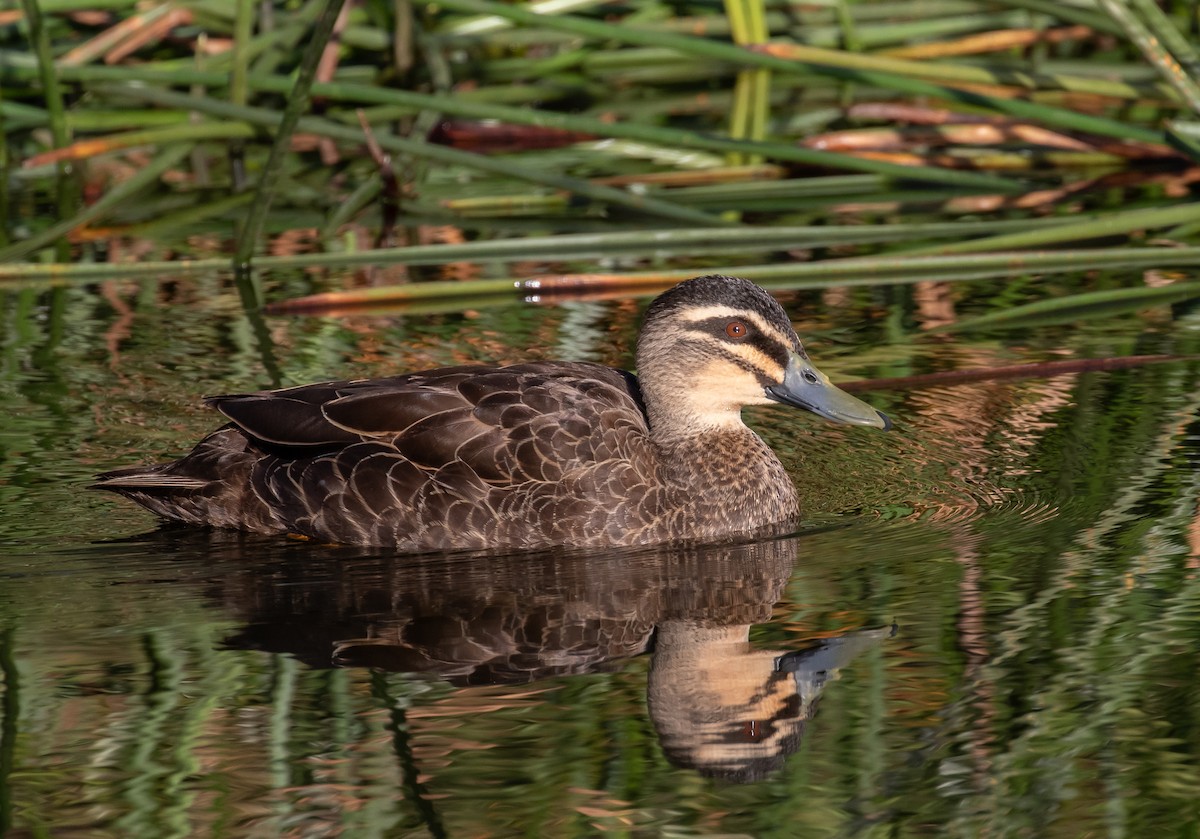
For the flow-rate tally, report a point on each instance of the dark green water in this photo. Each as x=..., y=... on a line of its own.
x=991, y=627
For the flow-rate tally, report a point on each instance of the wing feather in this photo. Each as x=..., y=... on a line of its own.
x=282, y=420
x=391, y=411
x=506, y=426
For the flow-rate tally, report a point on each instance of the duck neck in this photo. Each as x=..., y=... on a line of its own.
x=723, y=456
x=729, y=479
x=680, y=414
x=721, y=472
x=679, y=423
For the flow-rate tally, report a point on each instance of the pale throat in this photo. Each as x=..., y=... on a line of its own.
x=711, y=400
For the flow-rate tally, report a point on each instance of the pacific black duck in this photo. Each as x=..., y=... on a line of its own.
x=531, y=455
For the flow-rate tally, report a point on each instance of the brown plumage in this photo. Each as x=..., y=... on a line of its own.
x=531, y=455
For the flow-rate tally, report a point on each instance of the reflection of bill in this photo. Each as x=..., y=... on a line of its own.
x=730, y=711
x=719, y=705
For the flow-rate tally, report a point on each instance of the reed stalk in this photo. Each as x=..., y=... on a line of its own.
x=186, y=219
x=1155, y=46
x=1164, y=29
x=764, y=68
x=297, y=103
x=65, y=191
x=368, y=94
x=1113, y=84
x=1071, y=13
x=47, y=74
x=174, y=133
x=442, y=154
x=1118, y=223
x=243, y=33
x=5, y=210
x=564, y=246
x=1185, y=137
x=356, y=202
x=1085, y=306
x=854, y=271
x=752, y=90
x=125, y=191
x=793, y=59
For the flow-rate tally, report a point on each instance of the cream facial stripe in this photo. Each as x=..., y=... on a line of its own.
x=752, y=356
x=748, y=357
x=702, y=313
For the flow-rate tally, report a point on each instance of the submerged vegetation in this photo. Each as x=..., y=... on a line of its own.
x=577, y=147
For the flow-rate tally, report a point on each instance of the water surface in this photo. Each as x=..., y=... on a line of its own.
x=988, y=626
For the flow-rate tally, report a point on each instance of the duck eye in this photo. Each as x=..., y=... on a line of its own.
x=736, y=329
x=753, y=731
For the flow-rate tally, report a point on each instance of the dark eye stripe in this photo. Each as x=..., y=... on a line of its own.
x=763, y=378
x=751, y=368
x=766, y=344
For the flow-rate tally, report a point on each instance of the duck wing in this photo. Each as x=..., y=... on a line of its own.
x=458, y=457
x=300, y=416
x=517, y=423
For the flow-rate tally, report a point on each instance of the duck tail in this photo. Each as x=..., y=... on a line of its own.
x=171, y=496
x=209, y=486
x=147, y=479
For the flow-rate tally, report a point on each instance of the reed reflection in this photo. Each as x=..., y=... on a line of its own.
x=719, y=704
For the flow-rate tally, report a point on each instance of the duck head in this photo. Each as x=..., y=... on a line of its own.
x=712, y=345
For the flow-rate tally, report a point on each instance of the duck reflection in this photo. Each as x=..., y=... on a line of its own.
x=733, y=712
x=719, y=704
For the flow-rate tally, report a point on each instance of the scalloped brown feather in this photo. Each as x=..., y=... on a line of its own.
x=525, y=456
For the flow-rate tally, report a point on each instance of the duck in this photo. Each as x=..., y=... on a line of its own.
x=527, y=456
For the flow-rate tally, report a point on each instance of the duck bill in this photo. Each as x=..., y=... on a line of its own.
x=804, y=386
